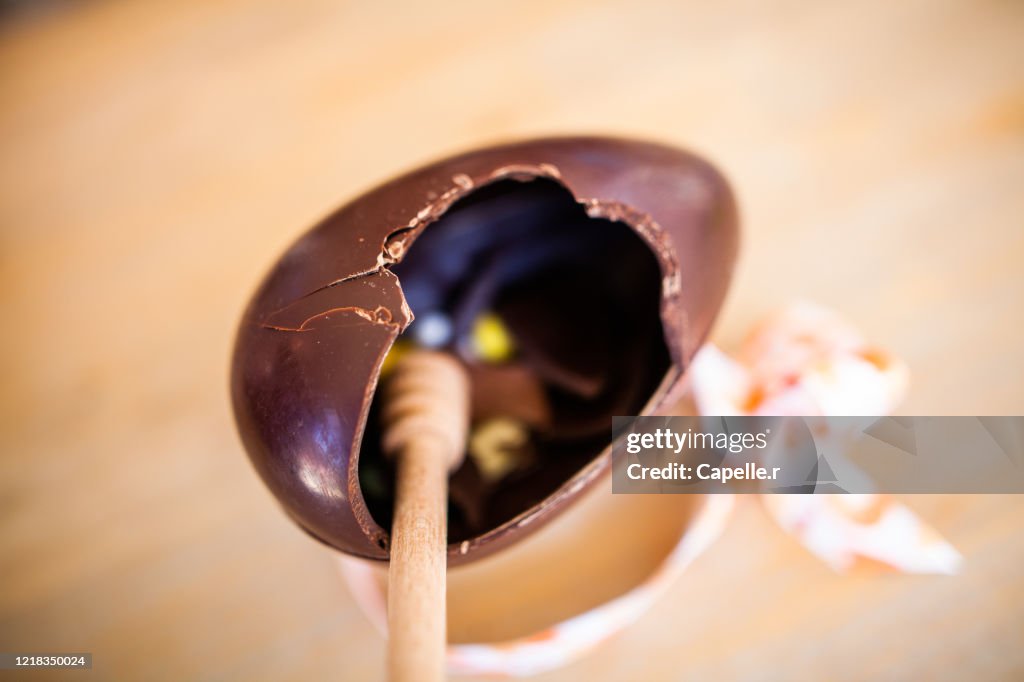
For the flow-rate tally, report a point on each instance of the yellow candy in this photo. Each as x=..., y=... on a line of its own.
x=400, y=348
x=491, y=339
x=496, y=447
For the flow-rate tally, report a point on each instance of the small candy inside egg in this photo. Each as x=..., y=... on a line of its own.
x=490, y=339
x=498, y=447
x=432, y=329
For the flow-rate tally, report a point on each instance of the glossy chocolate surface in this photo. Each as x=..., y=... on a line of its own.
x=608, y=260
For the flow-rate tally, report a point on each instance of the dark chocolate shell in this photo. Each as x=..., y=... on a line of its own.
x=606, y=258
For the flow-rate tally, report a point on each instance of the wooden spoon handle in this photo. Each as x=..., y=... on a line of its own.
x=425, y=422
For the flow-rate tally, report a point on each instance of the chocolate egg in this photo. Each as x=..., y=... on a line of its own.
x=591, y=270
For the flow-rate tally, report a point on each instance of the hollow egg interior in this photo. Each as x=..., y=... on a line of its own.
x=557, y=318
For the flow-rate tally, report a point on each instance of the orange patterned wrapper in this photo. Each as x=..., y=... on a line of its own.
x=803, y=360
x=807, y=360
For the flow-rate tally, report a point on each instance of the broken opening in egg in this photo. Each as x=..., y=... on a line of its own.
x=556, y=315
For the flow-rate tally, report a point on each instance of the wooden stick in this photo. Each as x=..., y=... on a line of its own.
x=426, y=413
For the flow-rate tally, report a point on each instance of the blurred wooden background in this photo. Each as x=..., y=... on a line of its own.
x=155, y=157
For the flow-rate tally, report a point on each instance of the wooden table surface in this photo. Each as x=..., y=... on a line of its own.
x=157, y=156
